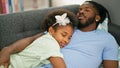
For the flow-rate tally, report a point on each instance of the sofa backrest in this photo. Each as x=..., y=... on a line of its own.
x=23, y=24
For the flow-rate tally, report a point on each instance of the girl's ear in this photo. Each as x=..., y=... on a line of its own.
x=51, y=30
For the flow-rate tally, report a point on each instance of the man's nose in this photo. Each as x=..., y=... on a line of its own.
x=81, y=11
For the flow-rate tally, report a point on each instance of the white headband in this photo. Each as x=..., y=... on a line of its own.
x=62, y=20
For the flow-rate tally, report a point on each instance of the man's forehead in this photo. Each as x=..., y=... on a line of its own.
x=87, y=5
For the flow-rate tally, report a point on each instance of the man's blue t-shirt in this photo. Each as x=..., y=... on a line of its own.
x=88, y=49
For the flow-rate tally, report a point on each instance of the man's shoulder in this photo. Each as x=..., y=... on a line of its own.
x=106, y=36
x=104, y=33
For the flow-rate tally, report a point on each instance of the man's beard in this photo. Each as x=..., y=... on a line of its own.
x=88, y=22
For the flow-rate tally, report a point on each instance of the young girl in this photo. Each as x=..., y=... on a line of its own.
x=59, y=25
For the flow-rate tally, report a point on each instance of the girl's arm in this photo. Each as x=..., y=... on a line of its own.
x=57, y=62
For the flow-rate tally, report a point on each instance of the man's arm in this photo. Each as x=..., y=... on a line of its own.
x=57, y=62
x=16, y=47
x=110, y=64
x=21, y=44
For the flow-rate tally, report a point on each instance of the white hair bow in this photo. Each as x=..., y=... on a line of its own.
x=62, y=20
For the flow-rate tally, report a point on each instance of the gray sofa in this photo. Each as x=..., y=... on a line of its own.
x=23, y=24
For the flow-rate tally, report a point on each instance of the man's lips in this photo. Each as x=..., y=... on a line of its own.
x=81, y=17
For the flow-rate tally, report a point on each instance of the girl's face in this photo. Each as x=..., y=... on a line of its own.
x=62, y=34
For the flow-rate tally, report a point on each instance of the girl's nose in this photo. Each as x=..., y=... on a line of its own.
x=66, y=40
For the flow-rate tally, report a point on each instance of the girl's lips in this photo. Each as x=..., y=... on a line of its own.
x=62, y=44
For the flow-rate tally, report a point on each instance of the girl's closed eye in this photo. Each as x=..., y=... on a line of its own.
x=64, y=34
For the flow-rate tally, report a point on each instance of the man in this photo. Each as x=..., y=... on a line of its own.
x=89, y=47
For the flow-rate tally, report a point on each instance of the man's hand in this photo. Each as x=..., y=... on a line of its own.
x=5, y=57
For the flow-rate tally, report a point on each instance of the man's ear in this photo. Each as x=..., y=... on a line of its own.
x=51, y=30
x=97, y=18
